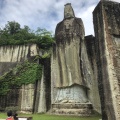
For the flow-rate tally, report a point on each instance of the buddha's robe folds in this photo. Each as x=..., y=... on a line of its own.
x=70, y=61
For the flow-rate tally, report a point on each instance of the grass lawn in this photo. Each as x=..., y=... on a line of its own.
x=53, y=117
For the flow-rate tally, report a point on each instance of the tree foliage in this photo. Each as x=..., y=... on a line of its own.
x=13, y=34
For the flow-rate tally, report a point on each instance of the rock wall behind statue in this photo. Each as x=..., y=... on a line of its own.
x=107, y=33
x=10, y=56
x=93, y=92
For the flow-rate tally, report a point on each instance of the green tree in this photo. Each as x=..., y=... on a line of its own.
x=12, y=27
x=42, y=32
x=44, y=38
x=12, y=33
x=24, y=34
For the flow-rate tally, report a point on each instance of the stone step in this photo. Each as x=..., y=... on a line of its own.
x=72, y=109
x=78, y=112
x=72, y=105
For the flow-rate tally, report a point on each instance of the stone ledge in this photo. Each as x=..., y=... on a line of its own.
x=72, y=109
x=76, y=112
x=72, y=105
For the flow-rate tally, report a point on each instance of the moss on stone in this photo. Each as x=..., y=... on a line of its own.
x=24, y=73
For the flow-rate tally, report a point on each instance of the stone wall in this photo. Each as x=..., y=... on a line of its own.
x=10, y=100
x=44, y=89
x=93, y=92
x=27, y=98
x=10, y=56
x=107, y=33
x=32, y=97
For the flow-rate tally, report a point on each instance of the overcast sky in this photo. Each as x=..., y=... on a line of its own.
x=46, y=13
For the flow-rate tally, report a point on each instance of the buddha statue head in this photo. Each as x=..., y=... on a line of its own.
x=68, y=11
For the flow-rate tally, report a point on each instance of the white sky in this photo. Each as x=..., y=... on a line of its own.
x=46, y=13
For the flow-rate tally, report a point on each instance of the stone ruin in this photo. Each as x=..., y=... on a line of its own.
x=83, y=73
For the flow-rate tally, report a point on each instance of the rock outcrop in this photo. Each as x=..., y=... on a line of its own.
x=10, y=56
x=107, y=34
x=93, y=93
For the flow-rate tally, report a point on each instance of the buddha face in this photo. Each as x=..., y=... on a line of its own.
x=68, y=11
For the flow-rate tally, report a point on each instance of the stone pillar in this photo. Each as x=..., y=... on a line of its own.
x=107, y=32
x=27, y=98
x=93, y=93
x=42, y=99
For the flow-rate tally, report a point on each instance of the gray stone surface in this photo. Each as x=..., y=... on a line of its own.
x=107, y=33
x=27, y=98
x=42, y=99
x=10, y=56
x=17, y=53
x=72, y=94
x=72, y=109
x=93, y=92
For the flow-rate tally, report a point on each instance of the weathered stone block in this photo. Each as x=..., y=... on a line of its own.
x=107, y=33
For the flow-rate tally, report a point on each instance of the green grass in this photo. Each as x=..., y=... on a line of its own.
x=53, y=117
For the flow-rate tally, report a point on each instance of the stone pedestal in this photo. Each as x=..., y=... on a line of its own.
x=79, y=109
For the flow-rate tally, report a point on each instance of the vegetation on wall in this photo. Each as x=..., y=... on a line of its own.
x=24, y=73
x=13, y=34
